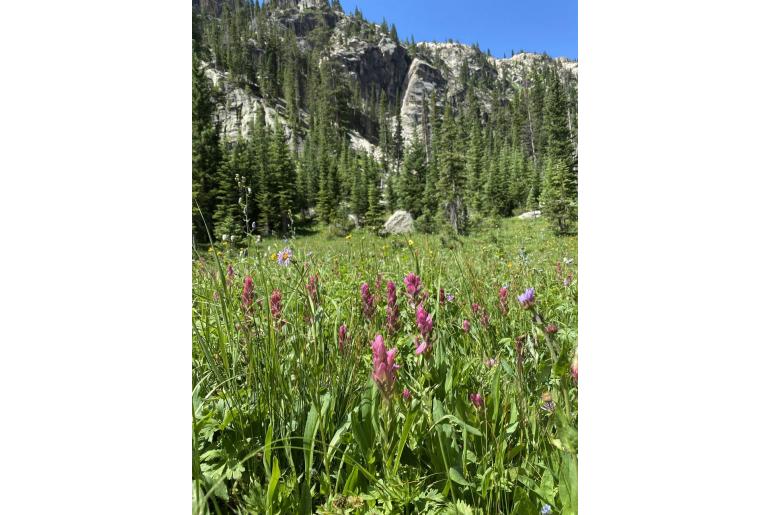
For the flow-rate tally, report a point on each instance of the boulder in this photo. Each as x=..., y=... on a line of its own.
x=354, y=220
x=528, y=215
x=400, y=222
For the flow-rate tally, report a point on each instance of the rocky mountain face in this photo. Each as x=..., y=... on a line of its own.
x=408, y=74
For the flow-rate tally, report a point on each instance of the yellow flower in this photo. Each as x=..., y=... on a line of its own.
x=411, y=243
x=274, y=256
x=211, y=249
x=348, y=236
x=510, y=265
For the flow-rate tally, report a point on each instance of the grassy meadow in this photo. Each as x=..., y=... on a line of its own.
x=318, y=387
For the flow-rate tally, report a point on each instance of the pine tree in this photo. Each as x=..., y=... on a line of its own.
x=558, y=197
x=206, y=153
x=451, y=177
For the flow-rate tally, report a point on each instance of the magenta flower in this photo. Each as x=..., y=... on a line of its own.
x=491, y=362
x=421, y=345
x=424, y=322
x=502, y=295
x=275, y=305
x=392, y=309
x=230, y=274
x=551, y=329
x=484, y=319
x=406, y=394
x=476, y=399
x=527, y=299
x=342, y=337
x=412, y=283
x=475, y=308
x=247, y=296
x=384, y=365
x=312, y=287
x=367, y=301
x=466, y=326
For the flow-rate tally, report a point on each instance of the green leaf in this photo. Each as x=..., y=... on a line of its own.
x=273, y=483
x=458, y=478
x=268, y=449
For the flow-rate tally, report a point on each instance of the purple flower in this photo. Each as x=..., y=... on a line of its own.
x=367, y=301
x=476, y=399
x=383, y=365
x=420, y=345
x=424, y=322
x=551, y=329
x=284, y=257
x=527, y=299
x=342, y=337
x=491, y=362
x=450, y=297
x=312, y=287
x=466, y=326
x=247, y=296
x=502, y=295
x=412, y=283
x=275, y=307
x=406, y=394
x=230, y=274
x=392, y=309
x=568, y=279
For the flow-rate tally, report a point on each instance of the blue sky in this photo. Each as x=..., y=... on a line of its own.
x=498, y=25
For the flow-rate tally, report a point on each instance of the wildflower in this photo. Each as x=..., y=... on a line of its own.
x=275, y=304
x=527, y=299
x=273, y=256
x=342, y=337
x=510, y=265
x=424, y=322
x=573, y=369
x=551, y=329
x=491, y=362
x=411, y=243
x=546, y=510
x=284, y=257
x=367, y=301
x=412, y=283
x=484, y=319
x=392, y=310
x=441, y=296
x=502, y=295
x=420, y=346
x=230, y=274
x=466, y=326
x=568, y=279
x=383, y=365
x=312, y=288
x=548, y=404
x=475, y=308
x=406, y=394
x=476, y=399
x=348, y=236
x=224, y=237
x=450, y=297
x=247, y=296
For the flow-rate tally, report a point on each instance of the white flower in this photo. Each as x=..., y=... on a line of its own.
x=224, y=237
x=249, y=189
x=232, y=238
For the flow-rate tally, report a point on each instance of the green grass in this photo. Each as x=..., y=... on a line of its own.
x=286, y=422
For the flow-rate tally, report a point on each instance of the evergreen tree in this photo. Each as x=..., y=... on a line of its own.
x=451, y=177
x=206, y=153
x=558, y=196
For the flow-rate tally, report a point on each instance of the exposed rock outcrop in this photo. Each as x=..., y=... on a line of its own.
x=400, y=222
